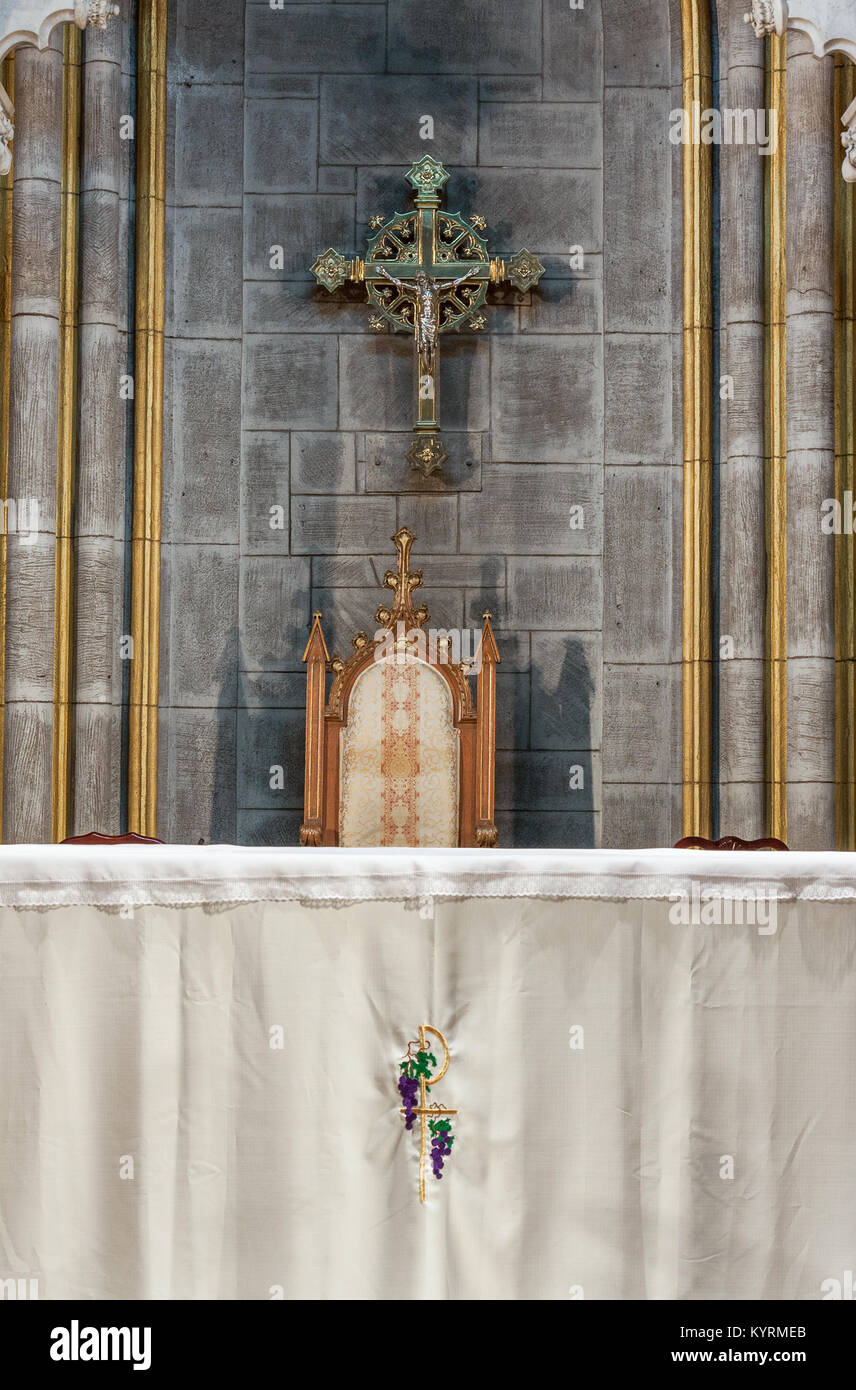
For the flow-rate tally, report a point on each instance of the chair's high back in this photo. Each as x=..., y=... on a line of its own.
x=397, y=754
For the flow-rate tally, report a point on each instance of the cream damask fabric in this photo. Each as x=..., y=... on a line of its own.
x=399, y=759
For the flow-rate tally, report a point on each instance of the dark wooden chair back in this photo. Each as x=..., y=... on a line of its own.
x=729, y=842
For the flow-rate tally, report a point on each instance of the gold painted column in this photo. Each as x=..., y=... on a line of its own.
x=7, y=78
x=845, y=477
x=775, y=463
x=72, y=88
x=148, y=416
x=697, y=49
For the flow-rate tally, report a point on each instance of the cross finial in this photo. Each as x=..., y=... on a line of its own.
x=403, y=581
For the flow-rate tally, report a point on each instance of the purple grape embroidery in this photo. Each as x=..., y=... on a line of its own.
x=417, y=1073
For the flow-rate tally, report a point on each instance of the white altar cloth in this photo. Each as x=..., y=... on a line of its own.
x=651, y=1061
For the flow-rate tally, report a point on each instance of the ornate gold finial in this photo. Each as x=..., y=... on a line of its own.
x=402, y=581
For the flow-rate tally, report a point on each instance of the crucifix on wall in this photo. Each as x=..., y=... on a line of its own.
x=427, y=272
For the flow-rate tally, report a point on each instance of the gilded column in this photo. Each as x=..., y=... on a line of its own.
x=845, y=479
x=148, y=416
x=7, y=79
x=775, y=462
x=697, y=84
x=72, y=41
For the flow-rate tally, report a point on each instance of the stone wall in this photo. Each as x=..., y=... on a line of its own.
x=292, y=127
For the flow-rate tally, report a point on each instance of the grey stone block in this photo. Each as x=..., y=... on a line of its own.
x=202, y=503
x=376, y=120
x=637, y=601
x=30, y=581
x=542, y=781
x=314, y=38
x=464, y=36
x=637, y=722
x=336, y=178
x=272, y=690
x=322, y=462
x=36, y=242
x=541, y=385
x=208, y=146
x=567, y=703
x=564, y=306
x=269, y=827
x=355, y=525
x=744, y=364
x=637, y=166
x=303, y=224
x=514, y=649
x=388, y=470
x=512, y=710
x=377, y=383
x=280, y=146
x=98, y=619
x=290, y=381
x=274, y=613
x=741, y=725
x=548, y=829
x=196, y=803
x=97, y=763
x=270, y=739
x=301, y=306
x=638, y=376
x=348, y=571
x=434, y=520
x=742, y=556
x=510, y=89
x=545, y=594
x=545, y=210
x=100, y=267
x=641, y=816
x=299, y=86
x=209, y=41
x=811, y=719
x=207, y=272
x=468, y=572
x=27, y=745
x=525, y=509
x=565, y=135
x=637, y=43
x=742, y=809
x=811, y=815
x=573, y=51
x=203, y=625
x=265, y=494
x=810, y=382
x=811, y=554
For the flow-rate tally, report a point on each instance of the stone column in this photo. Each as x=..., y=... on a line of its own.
x=97, y=751
x=741, y=387
x=812, y=166
x=34, y=355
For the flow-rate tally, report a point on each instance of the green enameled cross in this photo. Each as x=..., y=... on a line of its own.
x=426, y=272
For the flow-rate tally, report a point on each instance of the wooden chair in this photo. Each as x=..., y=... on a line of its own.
x=728, y=842
x=96, y=838
x=397, y=754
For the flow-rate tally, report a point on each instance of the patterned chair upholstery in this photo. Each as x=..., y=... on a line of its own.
x=397, y=753
x=400, y=755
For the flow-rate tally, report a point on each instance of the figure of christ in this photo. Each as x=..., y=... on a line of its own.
x=427, y=294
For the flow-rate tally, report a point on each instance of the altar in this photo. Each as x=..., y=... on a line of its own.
x=648, y=1065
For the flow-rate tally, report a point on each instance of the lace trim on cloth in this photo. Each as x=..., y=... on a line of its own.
x=34, y=876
